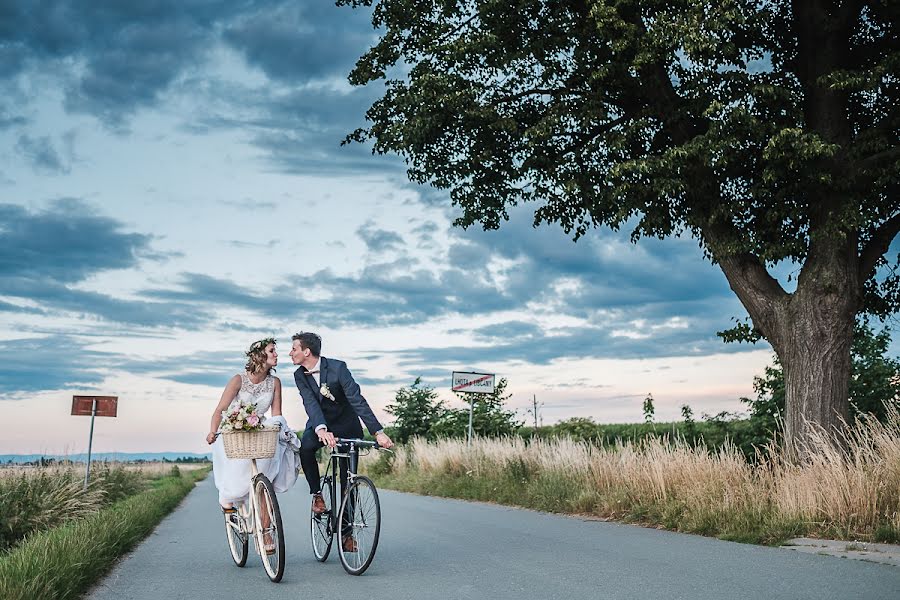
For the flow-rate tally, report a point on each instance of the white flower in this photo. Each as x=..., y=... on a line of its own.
x=326, y=392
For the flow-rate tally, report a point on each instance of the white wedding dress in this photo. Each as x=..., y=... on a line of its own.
x=232, y=476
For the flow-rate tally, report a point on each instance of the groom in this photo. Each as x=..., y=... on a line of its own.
x=334, y=405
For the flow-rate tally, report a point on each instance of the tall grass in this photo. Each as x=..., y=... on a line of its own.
x=36, y=499
x=62, y=562
x=849, y=490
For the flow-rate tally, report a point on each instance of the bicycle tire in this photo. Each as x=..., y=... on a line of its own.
x=320, y=526
x=272, y=563
x=365, y=525
x=237, y=540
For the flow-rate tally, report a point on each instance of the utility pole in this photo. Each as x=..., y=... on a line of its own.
x=535, y=411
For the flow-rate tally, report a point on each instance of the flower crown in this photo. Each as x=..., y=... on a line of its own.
x=259, y=346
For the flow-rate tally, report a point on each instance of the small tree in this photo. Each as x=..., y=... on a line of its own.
x=690, y=426
x=489, y=419
x=649, y=411
x=415, y=410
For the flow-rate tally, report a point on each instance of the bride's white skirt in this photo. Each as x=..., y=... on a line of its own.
x=232, y=476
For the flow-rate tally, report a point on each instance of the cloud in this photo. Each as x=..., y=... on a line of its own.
x=379, y=240
x=28, y=365
x=79, y=362
x=616, y=299
x=41, y=153
x=44, y=253
x=112, y=58
x=65, y=243
x=298, y=42
x=585, y=342
x=506, y=331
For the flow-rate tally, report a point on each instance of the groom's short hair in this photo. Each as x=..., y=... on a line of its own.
x=309, y=341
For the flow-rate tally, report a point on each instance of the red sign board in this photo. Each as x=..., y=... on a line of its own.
x=106, y=405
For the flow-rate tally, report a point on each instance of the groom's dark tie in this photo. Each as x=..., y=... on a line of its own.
x=313, y=371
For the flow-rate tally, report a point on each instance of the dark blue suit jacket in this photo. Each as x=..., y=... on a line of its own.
x=349, y=406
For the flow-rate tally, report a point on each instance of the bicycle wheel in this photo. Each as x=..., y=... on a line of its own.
x=265, y=500
x=360, y=515
x=237, y=539
x=320, y=526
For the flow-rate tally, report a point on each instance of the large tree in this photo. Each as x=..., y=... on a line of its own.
x=766, y=130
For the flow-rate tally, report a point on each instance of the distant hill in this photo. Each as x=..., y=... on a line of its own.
x=101, y=456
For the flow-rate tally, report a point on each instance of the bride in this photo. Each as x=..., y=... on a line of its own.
x=256, y=385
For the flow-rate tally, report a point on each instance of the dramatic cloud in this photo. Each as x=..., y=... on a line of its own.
x=125, y=53
x=43, y=253
x=299, y=41
x=65, y=243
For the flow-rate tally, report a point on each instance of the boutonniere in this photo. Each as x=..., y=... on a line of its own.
x=326, y=392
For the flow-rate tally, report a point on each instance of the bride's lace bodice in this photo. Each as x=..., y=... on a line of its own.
x=260, y=393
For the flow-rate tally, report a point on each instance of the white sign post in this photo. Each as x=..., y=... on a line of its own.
x=472, y=383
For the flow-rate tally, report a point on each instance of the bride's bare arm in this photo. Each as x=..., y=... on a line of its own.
x=276, y=399
x=231, y=390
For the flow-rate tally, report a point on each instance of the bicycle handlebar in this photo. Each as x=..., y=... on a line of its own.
x=359, y=442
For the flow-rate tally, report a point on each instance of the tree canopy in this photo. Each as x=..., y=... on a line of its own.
x=768, y=131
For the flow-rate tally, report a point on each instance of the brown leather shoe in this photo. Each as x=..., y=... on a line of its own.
x=349, y=543
x=318, y=504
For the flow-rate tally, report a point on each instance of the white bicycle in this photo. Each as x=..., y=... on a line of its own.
x=260, y=518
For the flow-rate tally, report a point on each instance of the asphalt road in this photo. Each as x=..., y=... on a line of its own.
x=436, y=548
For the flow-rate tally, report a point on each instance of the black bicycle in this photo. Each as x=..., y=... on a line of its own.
x=359, y=515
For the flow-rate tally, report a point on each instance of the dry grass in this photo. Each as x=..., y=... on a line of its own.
x=148, y=469
x=35, y=499
x=850, y=494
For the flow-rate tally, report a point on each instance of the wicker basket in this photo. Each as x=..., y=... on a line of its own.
x=251, y=444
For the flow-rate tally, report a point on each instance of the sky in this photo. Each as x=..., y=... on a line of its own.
x=173, y=187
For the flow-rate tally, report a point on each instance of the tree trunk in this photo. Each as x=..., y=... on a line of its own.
x=811, y=331
x=814, y=351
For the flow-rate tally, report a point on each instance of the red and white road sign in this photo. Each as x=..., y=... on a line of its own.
x=479, y=383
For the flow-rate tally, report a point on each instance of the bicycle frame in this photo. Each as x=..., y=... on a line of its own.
x=332, y=476
x=246, y=513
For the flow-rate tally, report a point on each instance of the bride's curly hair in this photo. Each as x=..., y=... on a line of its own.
x=256, y=355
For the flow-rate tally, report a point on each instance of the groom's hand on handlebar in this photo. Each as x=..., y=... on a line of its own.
x=383, y=440
x=326, y=437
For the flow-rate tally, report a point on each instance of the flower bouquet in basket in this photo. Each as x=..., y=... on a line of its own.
x=242, y=417
x=245, y=434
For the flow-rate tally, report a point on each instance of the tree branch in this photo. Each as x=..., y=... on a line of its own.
x=758, y=291
x=876, y=247
x=449, y=34
x=873, y=160
x=554, y=92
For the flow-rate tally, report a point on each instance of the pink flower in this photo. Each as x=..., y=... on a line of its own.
x=253, y=420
